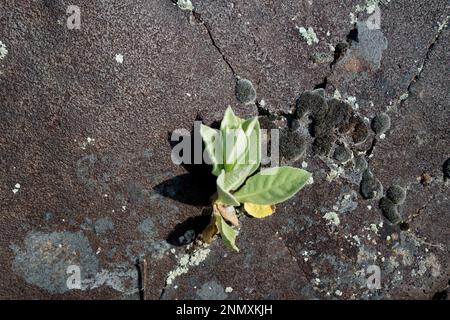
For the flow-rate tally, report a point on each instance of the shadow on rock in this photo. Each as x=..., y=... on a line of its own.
x=188, y=230
x=197, y=185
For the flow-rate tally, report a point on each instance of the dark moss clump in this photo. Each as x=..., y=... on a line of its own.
x=396, y=194
x=311, y=103
x=381, y=123
x=390, y=210
x=328, y=120
x=292, y=144
x=323, y=145
x=339, y=113
x=360, y=130
x=245, y=92
x=361, y=163
x=370, y=186
x=342, y=154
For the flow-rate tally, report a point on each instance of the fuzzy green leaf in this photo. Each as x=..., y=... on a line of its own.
x=223, y=194
x=227, y=233
x=213, y=145
x=230, y=120
x=252, y=130
x=235, y=178
x=234, y=146
x=273, y=185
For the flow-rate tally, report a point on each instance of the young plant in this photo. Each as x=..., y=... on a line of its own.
x=234, y=152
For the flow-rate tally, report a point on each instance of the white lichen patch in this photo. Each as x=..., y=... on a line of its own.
x=357, y=240
x=185, y=5
x=353, y=18
x=308, y=35
x=332, y=218
x=334, y=173
x=16, y=188
x=352, y=101
x=374, y=228
x=337, y=94
x=430, y=262
x=3, y=50
x=186, y=261
x=89, y=141
x=370, y=6
x=119, y=58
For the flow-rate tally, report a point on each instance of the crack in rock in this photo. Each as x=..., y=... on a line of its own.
x=184, y=5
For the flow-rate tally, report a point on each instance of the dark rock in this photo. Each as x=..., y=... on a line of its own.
x=396, y=194
x=381, y=123
x=245, y=92
x=342, y=154
x=389, y=210
x=370, y=186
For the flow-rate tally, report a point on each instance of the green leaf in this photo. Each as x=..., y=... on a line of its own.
x=230, y=120
x=273, y=185
x=227, y=233
x=252, y=130
x=250, y=160
x=234, y=146
x=223, y=195
x=235, y=178
x=213, y=147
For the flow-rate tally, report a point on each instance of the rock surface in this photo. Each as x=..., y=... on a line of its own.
x=86, y=117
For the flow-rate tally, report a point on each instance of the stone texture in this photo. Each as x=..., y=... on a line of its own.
x=87, y=178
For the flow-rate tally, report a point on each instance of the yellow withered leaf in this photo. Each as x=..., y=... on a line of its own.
x=259, y=211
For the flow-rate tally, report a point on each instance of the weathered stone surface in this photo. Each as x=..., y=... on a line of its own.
x=87, y=178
